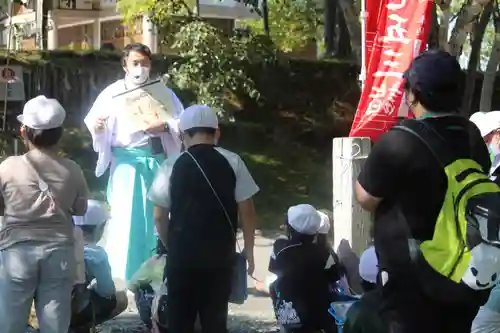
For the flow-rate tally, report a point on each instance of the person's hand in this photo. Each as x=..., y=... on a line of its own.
x=100, y=124
x=156, y=126
x=250, y=262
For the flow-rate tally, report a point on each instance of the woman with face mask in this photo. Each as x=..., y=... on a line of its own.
x=489, y=125
x=488, y=317
x=133, y=154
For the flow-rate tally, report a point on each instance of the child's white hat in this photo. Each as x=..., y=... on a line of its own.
x=96, y=214
x=324, y=227
x=487, y=122
x=368, y=265
x=304, y=219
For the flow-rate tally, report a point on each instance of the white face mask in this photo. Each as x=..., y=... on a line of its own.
x=138, y=75
x=494, y=149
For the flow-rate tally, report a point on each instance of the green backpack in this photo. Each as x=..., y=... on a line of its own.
x=465, y=248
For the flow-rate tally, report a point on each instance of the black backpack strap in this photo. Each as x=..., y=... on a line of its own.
x=434, y=142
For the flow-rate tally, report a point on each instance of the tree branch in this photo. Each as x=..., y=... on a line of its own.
x=468, y=13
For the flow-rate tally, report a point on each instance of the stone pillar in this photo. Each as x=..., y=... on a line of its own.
x=52, y=32
x=148, y=33
x=353, y=222
x=96, y=37
x=351, y=226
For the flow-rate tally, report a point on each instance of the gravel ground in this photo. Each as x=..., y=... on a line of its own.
x=255, y=316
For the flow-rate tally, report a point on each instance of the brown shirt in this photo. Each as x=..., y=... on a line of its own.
x=28, y=212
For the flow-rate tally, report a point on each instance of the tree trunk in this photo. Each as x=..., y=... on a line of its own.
x=469, y=12
x=433, y=39
x=444, y=22
x=491, y=72
x=344, y=49
x=330, y=26
x=46, y=7
x=351, y=10
x=474, y=57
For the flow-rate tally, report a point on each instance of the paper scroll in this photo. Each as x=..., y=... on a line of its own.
x=147, y=105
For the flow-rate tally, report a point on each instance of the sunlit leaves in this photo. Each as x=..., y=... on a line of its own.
x=292, y=24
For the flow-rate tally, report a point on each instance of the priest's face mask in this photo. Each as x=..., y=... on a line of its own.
x=137, y=65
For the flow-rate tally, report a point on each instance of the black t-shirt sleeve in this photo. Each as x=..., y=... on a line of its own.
x=385, y=169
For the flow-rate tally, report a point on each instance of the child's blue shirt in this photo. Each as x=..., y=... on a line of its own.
x=97, y=268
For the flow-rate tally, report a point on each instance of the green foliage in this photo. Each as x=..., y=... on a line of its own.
x=213, y=63
x=292, y=24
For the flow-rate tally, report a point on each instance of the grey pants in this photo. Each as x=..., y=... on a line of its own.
x=41, y=272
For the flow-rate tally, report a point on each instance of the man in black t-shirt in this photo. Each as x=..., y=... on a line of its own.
x=404, y=185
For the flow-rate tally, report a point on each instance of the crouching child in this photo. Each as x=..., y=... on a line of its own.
x=305, y=271
x=100, y=301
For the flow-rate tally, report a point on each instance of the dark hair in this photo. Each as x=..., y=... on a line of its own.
x=437, y=102
x=436, y=80
x=88, y=229
x=200, y=130
x=44, y=138
x=322, y=240
x=136, y=47
x=294, y=234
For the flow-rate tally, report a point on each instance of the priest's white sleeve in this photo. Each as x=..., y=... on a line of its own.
x=171, y=141
x=101, y=140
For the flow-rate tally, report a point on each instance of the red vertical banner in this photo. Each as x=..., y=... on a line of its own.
x=372, y=13
x=402, y=29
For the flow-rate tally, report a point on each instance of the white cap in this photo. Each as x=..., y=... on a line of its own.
x=42, y=113
x=487, y=122
x=304, y=219
x=96, y=214
x=324, y=227
x=198, y=116
x=368, y=265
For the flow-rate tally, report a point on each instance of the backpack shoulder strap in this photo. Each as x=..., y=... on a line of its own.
x=434, y=142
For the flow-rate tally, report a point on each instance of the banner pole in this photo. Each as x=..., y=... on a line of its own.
x=362, y=75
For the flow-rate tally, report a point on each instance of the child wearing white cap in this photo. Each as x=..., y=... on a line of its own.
x=321, y=240
x=305, y=271
x=488, y=316
x=365, y=315
x=201, y=197
x=489, y=126
x=105, y=303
